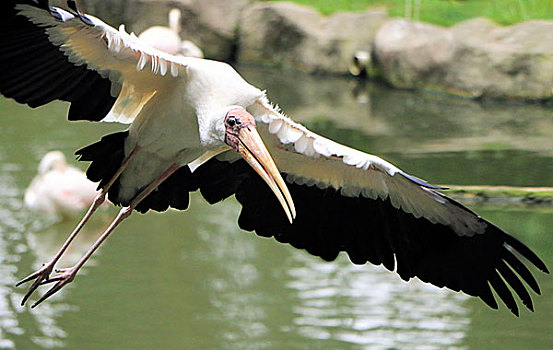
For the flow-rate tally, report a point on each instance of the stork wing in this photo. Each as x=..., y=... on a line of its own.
x=350, y=201
x=48, y=53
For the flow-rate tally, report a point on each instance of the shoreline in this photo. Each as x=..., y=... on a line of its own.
x=476, y=59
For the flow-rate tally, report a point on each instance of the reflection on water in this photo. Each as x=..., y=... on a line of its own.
x=195, y=281
x=371, y=308
x=362, y=306
x=424, y=133
x=36, y=238
x=44, y=243
x=40, y=327
x=404, y=121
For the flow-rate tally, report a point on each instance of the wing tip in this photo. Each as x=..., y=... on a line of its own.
x=421, y=182
x=526, y=252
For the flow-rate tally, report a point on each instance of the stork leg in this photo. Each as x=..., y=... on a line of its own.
x=43, y=274
x=67, y=275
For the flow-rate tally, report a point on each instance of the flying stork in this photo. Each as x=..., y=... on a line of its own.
x=196, y=124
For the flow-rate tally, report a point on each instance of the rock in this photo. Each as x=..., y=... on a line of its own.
x=514, y=62
x=413, y=54
x=278, y=33
x=211, y=24
x=113, y=12
x=297, y=36
x=476, y=58
x=349, y=33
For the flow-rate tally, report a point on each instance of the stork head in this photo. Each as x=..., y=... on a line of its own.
x=242, y=136
x=53, y=160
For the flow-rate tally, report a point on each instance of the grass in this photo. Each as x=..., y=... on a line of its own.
x=444, y=12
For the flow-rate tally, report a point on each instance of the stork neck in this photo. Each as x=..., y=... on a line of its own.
x=174, y=20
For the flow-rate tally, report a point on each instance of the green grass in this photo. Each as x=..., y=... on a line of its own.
x=444, y=12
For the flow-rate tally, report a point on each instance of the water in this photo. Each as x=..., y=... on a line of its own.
x=193, y=280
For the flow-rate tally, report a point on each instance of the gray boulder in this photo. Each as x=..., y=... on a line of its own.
x=299, y=37
x=502, y=62
x=413, y=54
x=212, y=24
x=476, y=58
x=113, y=12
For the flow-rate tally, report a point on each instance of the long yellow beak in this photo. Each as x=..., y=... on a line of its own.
x=253, y=150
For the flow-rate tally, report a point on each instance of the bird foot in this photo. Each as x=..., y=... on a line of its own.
x=43, y=274
x=65, y=277
x=42, y=277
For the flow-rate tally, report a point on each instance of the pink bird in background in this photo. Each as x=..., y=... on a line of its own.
x=168, y=38
x=59, y=190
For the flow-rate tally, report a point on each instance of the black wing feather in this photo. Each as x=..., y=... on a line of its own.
x=522, y=270
x=504, y=293
x=516, y=284
x=33, y=71
x=376, y=232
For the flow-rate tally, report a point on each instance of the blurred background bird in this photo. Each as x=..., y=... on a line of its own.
x=168, y=38
x=59, y=190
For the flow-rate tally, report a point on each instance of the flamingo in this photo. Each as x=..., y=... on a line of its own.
x=168, y=39
x=59, y=190
x=196, y=124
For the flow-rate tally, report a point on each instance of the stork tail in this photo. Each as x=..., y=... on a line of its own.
x=107, y=156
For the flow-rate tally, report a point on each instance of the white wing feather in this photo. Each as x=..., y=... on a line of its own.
x=135, y=69
x=313, y=160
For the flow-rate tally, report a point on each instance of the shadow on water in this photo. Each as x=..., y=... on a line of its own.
x=195, y=281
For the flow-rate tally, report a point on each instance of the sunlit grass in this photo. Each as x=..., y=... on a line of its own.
x=444, y=12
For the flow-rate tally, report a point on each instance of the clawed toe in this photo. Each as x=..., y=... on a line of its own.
x=40, y=276
x=62, y=280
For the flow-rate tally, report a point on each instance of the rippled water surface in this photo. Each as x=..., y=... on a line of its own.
x=193, y=280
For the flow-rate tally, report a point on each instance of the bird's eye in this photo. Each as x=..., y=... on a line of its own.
x=231, y=121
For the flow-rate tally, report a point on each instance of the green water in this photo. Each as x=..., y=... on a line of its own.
x=193, y=280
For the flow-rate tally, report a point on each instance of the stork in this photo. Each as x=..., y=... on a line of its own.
x=196, y=124
x=168, y=38
x=59, y=190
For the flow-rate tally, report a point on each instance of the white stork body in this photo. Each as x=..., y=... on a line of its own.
x=168, y=39
x=197, y=125
x=59, y=190
x=175, y=125
x=162, y=38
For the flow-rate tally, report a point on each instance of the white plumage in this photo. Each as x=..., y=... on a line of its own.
x=59, y=190
x=168, y=38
